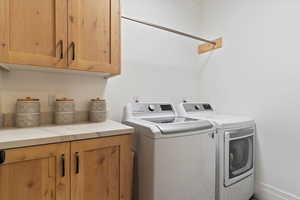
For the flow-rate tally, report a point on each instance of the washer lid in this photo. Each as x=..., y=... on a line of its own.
x=169, y=125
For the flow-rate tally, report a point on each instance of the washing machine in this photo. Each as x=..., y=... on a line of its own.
x=175, y=155
x=235, y=150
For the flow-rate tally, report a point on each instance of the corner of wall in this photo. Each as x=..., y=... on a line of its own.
x=268, y=192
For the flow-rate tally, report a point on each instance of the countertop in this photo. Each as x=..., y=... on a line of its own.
x=22, y=137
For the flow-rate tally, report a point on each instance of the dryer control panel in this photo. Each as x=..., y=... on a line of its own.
x=197, y=107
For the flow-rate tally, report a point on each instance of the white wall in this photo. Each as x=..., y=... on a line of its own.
x=22, y=83
x=257, y=74
x=156, y=63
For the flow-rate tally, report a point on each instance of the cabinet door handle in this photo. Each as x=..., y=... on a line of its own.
x=77, y=163
x=2, y=156
x=73, y=50
x=61, y=44
x=63, y=165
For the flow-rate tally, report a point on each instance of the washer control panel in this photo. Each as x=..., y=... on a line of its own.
x=152, y=108
x=197, y=107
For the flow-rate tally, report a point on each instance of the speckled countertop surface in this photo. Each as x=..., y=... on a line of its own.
x=13, y=138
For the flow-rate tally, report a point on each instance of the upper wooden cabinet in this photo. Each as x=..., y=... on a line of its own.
x=94, y=35
x=33, y=32
x=71, y=34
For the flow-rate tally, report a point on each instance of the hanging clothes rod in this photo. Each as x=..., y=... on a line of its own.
x=171, y=30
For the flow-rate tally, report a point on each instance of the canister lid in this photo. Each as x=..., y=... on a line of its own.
x=64, y=99
x=28, y=99
x=98, y=99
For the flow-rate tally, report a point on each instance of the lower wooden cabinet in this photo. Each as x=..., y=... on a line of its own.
x=100, y=169
x=35, y=173
x=94, y=169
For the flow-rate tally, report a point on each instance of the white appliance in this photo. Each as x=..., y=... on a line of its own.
x=175, y=155
x=235, y=150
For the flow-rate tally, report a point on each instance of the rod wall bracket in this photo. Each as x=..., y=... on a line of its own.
x=206, y=47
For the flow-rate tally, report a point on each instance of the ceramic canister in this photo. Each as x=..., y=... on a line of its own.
x=97, y=110
x=64, y=111
x=24, y=120
x=27, y=112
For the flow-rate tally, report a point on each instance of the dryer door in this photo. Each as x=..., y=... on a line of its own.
x=239, y=155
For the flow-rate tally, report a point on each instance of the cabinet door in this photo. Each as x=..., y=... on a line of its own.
x=94, y=35
x=33, y=32
x=100, y=169
x=35, y=173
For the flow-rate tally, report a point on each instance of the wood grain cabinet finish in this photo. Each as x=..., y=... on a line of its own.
x=35, y=173
x=94, y=35
x=33, y=32
x=93, y=169
x=101, y=169
x=71, y=34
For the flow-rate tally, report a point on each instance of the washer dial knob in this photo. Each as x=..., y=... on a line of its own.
x=151, y=108
x=197, y=107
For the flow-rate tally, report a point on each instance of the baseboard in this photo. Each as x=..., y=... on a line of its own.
x=269, y=192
